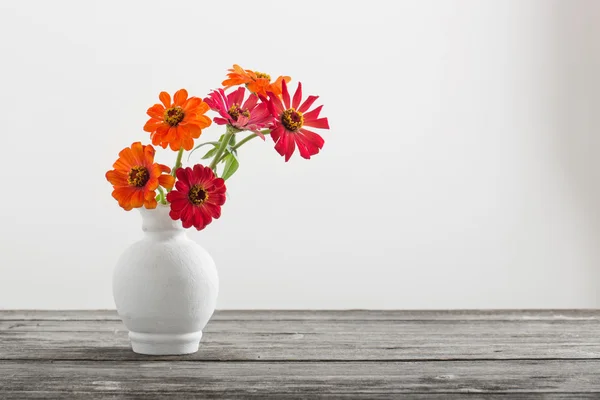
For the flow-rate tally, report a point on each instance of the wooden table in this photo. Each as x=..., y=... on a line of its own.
x=307, y=354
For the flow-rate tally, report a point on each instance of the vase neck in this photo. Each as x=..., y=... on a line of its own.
x=157, y=222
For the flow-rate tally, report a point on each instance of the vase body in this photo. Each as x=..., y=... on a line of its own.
x=165, y=287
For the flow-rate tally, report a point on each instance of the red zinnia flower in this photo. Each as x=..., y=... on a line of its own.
x=176, y=124
x=251, y=116
x=288, y=129
x=197, y=197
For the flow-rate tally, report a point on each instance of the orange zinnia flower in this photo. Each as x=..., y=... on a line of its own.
x=256, y=82
x=177, y=124
x=136, y=176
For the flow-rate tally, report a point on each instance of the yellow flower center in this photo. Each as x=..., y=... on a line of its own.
x=235, y=111
x=197, y=195
x=292, y=120
x=174, y=115
x=263, y=75
x=138, y=176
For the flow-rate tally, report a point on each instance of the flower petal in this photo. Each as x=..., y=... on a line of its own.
x=164, y=168
x=191, y=103
x=297, y=96
x=321, y=123
x=137, y=151
x=306, y=147
x=220, y=121
x=126, y=159
x=175, y=215
x=307, y=103
x=156, y=111
x=179, y=204
x=137, y=199
x=187, y=216
x=277, y=106
x=123, y=196
x=285, y=146
x=250, y=103
x=213, y=210
x=199, y=221
x=166, y=181
x=285, y=95
x=165, y=98
x=188, y=143
x=117, y=178
x=313, y=138
x=312, y=115
x=180, y=97
x=152, y=125
x=150, y=203
x=236, y=96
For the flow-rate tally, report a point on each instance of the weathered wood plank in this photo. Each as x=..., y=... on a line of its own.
x=315, y=340
x=289, y=396
x=282, y=348
x=396, y=327
x=306, y=378
x=295, y=354
x=294, y=396
x=284, y=315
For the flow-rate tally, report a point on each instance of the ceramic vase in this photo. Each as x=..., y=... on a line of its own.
x=165, y=287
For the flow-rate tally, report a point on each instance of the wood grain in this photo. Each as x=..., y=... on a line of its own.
x=317, y=341
x=352, y=315
x=299, y=354
x=308, y=378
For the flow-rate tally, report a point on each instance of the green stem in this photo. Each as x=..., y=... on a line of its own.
x=177, y=162
x=162, y=196
x=248, y=138
x=228, y=134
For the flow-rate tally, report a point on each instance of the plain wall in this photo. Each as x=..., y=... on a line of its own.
x=460, y=171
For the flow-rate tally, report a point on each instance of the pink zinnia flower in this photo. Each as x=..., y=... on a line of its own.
x=245, y=116
x=288, y=130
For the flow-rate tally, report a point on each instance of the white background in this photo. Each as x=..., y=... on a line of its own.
x=460, y=171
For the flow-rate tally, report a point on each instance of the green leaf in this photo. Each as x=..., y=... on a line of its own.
x=232, y=142
x=233, y=153
x=210, y=153
x=215, y=144
x=226, y=154
x=231, y=165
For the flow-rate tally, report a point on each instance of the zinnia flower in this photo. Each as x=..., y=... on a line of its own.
x=256, y=82
x=249, y=116
x=177, y=124
x=288, y=129
x=197, y=197
x=136, y=177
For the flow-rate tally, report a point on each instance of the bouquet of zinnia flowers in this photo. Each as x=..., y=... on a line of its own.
x=255, y=106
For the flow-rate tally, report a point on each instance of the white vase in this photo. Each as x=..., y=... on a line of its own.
x=165, y=287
